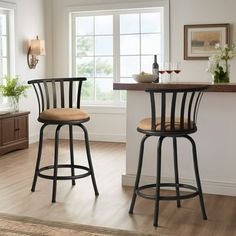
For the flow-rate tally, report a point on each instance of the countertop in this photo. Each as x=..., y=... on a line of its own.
x=213, y=87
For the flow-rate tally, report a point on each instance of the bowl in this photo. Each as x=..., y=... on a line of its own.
x=144, y=78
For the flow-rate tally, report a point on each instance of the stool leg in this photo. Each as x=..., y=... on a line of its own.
x=139, y=169
x=176, y=170
x=72, y=153
x=38, y=157
x=89, y=159
x=54, y=187
x=195, y=163
x=158, y=181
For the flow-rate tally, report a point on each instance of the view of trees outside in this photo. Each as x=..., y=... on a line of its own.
x=94, y=59
x=139, y=39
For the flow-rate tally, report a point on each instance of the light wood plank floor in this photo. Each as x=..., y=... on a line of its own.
x=78, y=204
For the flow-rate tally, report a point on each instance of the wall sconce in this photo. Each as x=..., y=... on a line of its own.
x=36, y=48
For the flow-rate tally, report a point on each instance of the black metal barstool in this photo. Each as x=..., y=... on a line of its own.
x=173, y=114
x=59, y=104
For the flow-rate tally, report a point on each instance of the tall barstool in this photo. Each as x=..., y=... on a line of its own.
x=59, y=104
x=173, y=114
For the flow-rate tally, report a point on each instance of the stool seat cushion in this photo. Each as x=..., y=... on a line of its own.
x=145, y=125
x=64, y=114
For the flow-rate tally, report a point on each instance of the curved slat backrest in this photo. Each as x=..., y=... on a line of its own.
x=58, y=92
x=178, y=107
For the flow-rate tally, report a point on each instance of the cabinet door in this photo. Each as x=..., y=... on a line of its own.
x=21, y=127
x=8, y=130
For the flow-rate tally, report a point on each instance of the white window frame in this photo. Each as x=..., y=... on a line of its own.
x=119, y=8
x=9, y=9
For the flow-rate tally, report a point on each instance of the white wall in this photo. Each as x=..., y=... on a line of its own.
x=187, y=12
x=29, y=22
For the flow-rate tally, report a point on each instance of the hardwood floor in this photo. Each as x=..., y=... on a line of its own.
x=78, y=204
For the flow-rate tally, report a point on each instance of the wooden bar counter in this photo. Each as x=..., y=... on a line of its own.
x=217, y=87
x=215, y=139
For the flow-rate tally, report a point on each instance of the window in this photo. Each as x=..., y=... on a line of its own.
x=6, y=43
x=110, y=46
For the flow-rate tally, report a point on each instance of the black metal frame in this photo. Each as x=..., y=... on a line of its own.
x=189, y=101
x=48, y=97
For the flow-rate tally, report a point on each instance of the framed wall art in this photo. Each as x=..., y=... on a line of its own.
x=200, y=40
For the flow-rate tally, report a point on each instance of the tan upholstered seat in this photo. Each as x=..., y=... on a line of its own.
x=64, y=114
x=145, y=124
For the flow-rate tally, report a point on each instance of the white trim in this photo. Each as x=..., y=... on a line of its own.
x=104, y=109
x=208, y=186
x=119, y=138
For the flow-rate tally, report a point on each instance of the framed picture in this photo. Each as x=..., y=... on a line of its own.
x=200, y=40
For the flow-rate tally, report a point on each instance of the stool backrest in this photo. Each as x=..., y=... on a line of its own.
x=58, y=92
x=177, y=106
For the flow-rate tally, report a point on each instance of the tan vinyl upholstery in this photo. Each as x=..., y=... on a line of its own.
x=64, y=114
x=145, y=124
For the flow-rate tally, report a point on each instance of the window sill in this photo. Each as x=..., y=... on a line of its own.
x=102, y=109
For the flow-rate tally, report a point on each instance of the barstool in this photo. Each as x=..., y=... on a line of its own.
x=59, y=104
x=173, y=114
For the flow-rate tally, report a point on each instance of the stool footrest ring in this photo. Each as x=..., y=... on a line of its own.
x=168, y=198
x=87, y=173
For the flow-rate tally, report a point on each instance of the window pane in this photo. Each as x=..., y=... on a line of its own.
x=129, y=65
x=84, y=46
x=104, y=89
x=4, y=67
x=85, y=66
x=87, y=92
x=3, y=29
x=150, y=44
x=146, y=63
x=103, y=45
x=129, y=23
x=150, y=22
x=103, y=25
x=84, y=25
x=126, y=80
x=104, y=67
x=3, y=46
x=129, y=45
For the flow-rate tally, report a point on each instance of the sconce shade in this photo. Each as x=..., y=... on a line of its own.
x=37, y=47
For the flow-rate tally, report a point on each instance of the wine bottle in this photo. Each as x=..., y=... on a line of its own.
x=155, y=69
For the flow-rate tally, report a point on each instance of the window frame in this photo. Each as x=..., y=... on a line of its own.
x=9, y=10
x=116, y=10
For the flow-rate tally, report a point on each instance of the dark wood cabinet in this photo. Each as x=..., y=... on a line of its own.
x=13, y=132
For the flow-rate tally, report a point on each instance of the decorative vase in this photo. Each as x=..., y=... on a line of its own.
x=221, y=75
x=14, y=103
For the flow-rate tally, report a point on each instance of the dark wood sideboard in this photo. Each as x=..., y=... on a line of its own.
x=14, y=132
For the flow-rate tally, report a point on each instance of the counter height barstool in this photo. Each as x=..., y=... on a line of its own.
x=59, y=104
x=173, y=114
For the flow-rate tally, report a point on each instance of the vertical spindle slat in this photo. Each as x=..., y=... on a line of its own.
x=62, y=94
x=47, y=94
x=163, y=110
x=190, y=109
x=182, y=110
x=71, y=94
x=42, y=97
x=172, y=115
x=54, y=94
x=153, y=111
x=79, y=94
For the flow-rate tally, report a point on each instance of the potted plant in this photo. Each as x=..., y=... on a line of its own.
x=11, y=87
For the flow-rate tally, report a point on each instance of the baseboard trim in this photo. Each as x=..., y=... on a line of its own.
x=212, y=187
x=119, y=138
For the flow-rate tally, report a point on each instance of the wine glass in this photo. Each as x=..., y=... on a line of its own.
x=176, y=68
x=168, y=69
x=161, y=71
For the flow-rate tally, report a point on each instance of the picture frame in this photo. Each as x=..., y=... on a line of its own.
x=200, y=40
